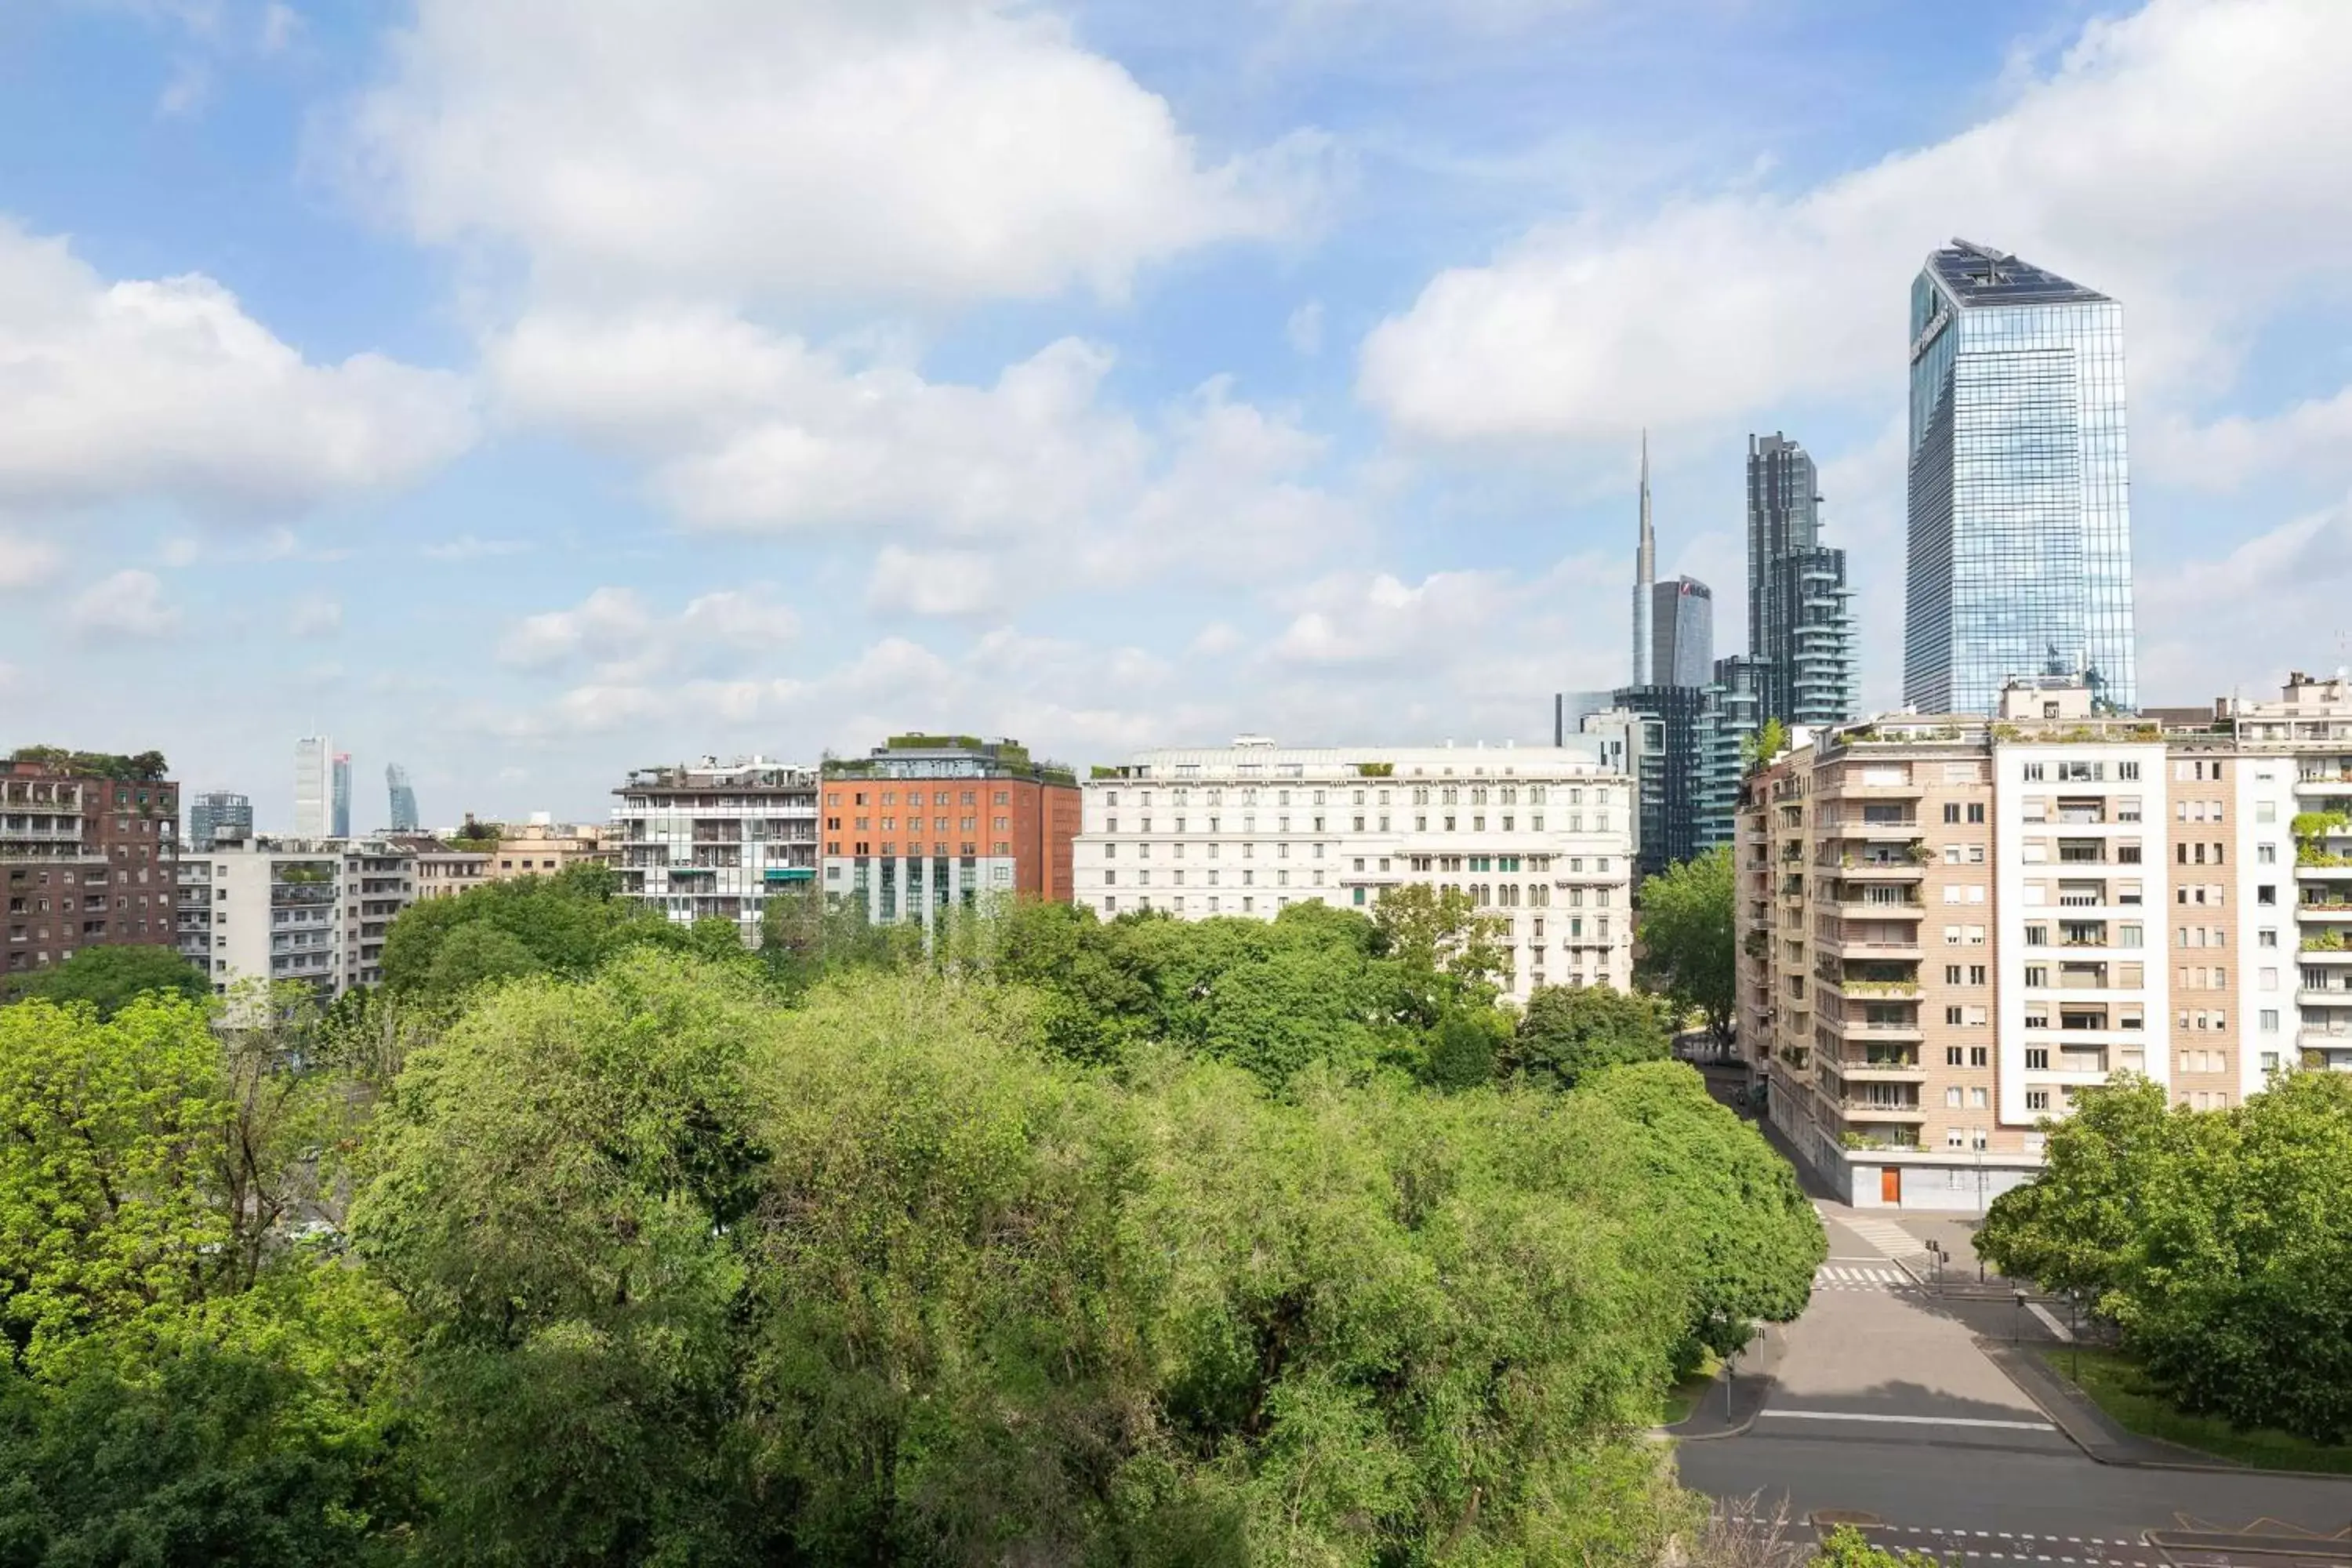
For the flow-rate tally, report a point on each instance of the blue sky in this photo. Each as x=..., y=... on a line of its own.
x=527, y=389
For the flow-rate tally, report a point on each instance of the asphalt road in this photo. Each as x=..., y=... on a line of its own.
x=1881, y=1405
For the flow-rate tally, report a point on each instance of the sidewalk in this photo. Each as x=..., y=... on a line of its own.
x=2085, y=1424
x=1727, y=1415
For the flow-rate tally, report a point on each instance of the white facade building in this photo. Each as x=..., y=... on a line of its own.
x=1539, y=836
x=712, y=841
x=313, y=911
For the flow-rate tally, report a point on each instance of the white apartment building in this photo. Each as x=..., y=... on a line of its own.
x=311, y=911
x=2296, y=867
x=712, y=841
x=1950, y=926
x=1542, y=838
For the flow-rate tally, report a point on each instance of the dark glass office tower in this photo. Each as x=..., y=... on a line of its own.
x=2020, y=491
x=1682, y=633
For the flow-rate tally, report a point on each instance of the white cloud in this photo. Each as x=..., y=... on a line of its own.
x=613, y=629
x=2220, y=457
x=466, y=547
x=951, y=147
x=609, y=623
x=1377, y=618
x=168, y=389
x=129, y=604
x=1216, y=639
x=27, y=563
x=2194, y=160
x=1304, y=330
x=315, y=616
x=2273, y=604
x=933, y=583
x=747, y=430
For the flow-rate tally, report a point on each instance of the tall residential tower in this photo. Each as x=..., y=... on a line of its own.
x=1799, y=611
x=2020, y=504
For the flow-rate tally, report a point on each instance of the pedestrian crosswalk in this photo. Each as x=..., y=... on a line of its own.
x=1988, y=1546
x=1884, y=1235
x=1859, y=1276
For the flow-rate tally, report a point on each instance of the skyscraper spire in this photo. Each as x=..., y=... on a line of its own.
x=1646, y=573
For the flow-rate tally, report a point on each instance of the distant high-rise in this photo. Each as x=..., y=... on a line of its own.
x=218, y=814
x=2020, y=500
x=1799, y=611
x=342, y=812
x=314, y=757
x=1682, y=633
x=1645, y=578
x=404, y=799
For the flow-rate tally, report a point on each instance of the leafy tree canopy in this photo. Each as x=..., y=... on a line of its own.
x=1568, y=1033
x=563, y=924
x=1687, y=939
x=108, y=978
x=2220, y=1243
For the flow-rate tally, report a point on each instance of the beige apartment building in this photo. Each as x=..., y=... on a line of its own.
x=541, y=849
x=1950, y=925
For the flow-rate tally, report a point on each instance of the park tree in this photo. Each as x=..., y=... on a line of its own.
x=1571, y=1032
x=108, y=978
x=181, y=1378
x=1448, y=951
x=565, y=925
x=1727, y=1198
x=1685, y=938
x=2077, y=1228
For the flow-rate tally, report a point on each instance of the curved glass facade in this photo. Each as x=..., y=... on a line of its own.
x=2020, y=497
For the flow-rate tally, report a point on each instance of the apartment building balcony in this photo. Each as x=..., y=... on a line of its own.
x=1854, y=947
x=2314, y=783
x=2336, y=951
x=1865, y=910
x=2324, y=912
x=1882, y=789
x=2323, y=997
x=1881, y=1068
x=1865, y=1108
x=1871, y=987
x=2325, y=872
x=1879, y=868
x=1872, y=832
x=1865, y=1031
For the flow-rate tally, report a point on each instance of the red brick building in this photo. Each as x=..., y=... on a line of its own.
x=927, y=823
x=89, y=855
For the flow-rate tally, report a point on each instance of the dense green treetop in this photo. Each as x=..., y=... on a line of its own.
x=564, y=924
x=1568, y=1033
x=1686, y=937
x=2220, y=1242
x=876, y=1278
x=108, y=978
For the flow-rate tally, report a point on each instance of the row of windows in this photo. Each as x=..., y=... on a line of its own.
x=1446, y=795
x=915, y=825
x=1506, y=822
x=915, y=798
x=966, y=847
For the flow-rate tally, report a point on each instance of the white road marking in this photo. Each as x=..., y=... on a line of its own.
x=1910, y=1421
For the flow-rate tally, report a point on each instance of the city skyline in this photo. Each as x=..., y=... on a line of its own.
x=1308, y=404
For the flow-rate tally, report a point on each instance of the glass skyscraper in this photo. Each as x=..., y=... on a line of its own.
x=404, y=798
x=343, y=811
x=216, y=813
x=1681, y=632
x=2020, y=504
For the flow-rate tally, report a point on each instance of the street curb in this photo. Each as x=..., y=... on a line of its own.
x=1999, y=1354
x=1739, y=1431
